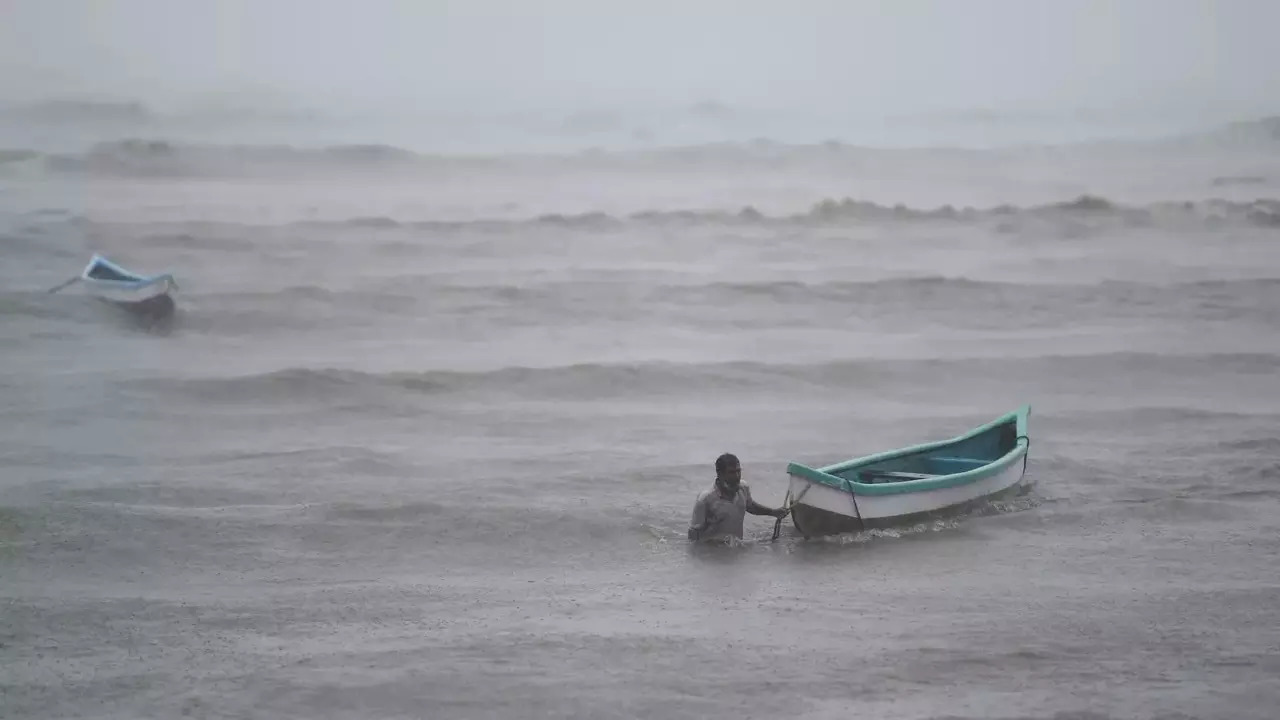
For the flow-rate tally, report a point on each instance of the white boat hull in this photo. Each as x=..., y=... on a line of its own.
x=129, y=293
x=822, y=509
x=147, y=295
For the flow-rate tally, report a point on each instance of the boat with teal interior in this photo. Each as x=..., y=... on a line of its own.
x=911, y=483
x=150, y=295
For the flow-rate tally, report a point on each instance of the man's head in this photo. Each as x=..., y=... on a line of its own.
x=728, y=471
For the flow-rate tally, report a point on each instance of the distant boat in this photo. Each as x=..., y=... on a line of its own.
x=148, y=295
x=910, y=483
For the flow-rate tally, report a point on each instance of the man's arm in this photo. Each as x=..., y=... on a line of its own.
x=698, y=522
x=756, y=508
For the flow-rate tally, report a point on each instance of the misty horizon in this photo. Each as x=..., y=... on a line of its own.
x=915, y=59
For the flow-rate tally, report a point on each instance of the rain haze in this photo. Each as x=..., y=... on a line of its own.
x=1140, y=62
x=374, y=359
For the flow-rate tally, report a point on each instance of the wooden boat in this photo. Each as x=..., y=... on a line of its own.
x=911, y=483
x=147, y=295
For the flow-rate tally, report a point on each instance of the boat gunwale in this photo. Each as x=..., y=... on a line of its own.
x=139, y=281
x=825, y=475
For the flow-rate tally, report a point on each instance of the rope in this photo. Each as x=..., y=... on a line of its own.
x=65, y=284
x=788, y=503
x=854, y=497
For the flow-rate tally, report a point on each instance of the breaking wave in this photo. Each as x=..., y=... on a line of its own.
x=158, y=157
x=162, y=159
x=1261, y=212
x=1210, y=214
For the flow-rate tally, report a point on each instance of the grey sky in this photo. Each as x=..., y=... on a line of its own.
x=887, y=57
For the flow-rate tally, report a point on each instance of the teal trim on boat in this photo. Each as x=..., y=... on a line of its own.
x=972, y=456
x=102, y=271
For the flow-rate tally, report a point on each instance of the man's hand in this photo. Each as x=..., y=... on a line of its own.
x=780, y=512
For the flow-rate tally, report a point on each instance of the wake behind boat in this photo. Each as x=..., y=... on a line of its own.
x=909, y=483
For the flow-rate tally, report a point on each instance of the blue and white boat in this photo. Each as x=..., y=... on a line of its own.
x=911, y=483
x=147, y=294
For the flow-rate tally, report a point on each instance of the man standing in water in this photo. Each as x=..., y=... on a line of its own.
x=719, y=511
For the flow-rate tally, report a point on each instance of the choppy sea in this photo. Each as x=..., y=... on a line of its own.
x=423, y=436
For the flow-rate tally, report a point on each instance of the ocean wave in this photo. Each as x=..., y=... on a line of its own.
x=1261, y=212
x=159, y=157
x=591, y=294
x=603, y=380
x=917, y=296
x=600, y=297
x=829, y=212
x=918, y=285
x=141, y=158
x=1088, y=210
x=295, y=294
